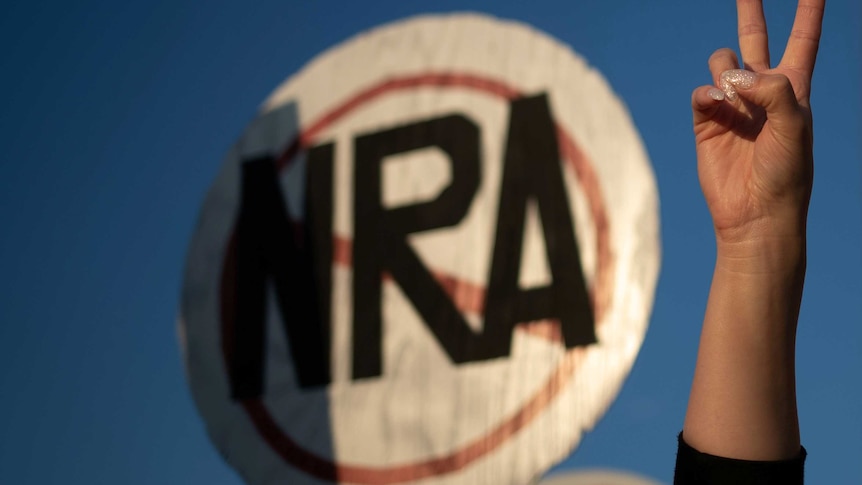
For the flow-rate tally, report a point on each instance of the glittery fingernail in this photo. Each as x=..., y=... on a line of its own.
x=716, y=94
x=735, y=78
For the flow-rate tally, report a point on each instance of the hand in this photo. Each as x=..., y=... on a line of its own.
x=755, y=163
x=754, y=137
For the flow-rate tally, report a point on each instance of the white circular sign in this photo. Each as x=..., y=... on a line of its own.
x=432, y=257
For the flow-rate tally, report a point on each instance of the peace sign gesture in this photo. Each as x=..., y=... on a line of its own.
x=754, y=134
x=754, y=152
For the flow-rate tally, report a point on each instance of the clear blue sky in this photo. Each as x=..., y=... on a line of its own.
x=116, y=116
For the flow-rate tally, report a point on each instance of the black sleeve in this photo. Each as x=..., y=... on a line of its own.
x=694, y=467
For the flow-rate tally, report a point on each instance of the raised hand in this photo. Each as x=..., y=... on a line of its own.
x=754, y=135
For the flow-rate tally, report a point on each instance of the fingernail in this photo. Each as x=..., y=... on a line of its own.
x=716, y=94
x=735, y=78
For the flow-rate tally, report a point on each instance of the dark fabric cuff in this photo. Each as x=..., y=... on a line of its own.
x=694, y=467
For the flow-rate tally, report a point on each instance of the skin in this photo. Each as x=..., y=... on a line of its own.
x=755, y=165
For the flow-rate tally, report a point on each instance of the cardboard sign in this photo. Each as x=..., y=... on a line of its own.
x=431, y=258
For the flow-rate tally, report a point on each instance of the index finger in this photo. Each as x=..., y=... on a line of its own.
x=753, y=40
x=804, y=39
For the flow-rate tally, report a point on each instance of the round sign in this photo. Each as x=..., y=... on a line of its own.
x=432, y=256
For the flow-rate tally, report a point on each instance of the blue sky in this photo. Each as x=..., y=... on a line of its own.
x=117, y=116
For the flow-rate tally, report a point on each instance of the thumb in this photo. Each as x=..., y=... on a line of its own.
x=772, y=92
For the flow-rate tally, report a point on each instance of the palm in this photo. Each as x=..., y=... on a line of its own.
x=743, y=164
x=752, y=159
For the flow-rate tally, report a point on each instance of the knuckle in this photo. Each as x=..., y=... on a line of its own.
x=784, y=84
x=780, y=83
x=723, y=55
x=750, y=29
x=803, y=34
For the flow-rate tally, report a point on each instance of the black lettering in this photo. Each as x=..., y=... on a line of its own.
x=533, y=171
x=296, y=262
x=380, y=237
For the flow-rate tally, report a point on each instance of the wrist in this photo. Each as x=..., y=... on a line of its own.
x=773, y=250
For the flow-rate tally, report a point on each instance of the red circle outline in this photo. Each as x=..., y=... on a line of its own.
x=326, y=469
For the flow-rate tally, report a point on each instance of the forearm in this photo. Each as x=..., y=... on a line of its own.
x=743, y=398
